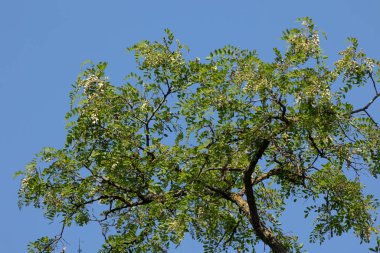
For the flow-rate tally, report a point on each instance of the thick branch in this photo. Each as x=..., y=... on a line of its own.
x=262, y=146
x=233, y=197
x=262, y=232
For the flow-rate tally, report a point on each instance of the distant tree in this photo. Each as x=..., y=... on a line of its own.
x=215, y=149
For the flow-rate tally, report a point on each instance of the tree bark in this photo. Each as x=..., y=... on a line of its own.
x=261, y=231
x=248, y=206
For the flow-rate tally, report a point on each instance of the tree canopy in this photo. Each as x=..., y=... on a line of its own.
x=215, y=148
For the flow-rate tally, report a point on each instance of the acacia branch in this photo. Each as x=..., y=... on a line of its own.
x=168, y=92
x=320, y=152
x=262, y=146
x=373, y=81
x=235, y=198
x=266, y=175
x=370, y=117
x=282, y=108
x=363, y=109
x=262, y=232
x=225, y=169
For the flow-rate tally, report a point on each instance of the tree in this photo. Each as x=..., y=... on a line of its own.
x=214, y=149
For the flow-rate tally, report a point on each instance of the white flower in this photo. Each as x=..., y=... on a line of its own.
x=101, y=85
x=90, y=83
x=297, y=98
x=94, y=118
x=370, y=64
x=144, y=106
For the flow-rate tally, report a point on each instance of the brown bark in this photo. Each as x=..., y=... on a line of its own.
x=261, y=231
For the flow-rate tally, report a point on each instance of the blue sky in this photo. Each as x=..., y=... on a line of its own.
x=44, y=42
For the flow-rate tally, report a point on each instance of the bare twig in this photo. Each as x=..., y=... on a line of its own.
x=367, y=105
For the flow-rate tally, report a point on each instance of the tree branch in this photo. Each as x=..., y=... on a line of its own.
x=373, y=81
x=367, y=105
x=266, y=175
x=262, y=232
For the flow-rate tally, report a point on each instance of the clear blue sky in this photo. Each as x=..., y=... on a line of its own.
x=44, y=42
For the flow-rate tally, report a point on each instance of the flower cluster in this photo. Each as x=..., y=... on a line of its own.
x=92, y=86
